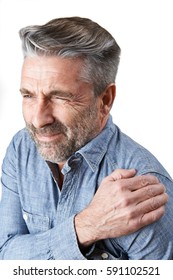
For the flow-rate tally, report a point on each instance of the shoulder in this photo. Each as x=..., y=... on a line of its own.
x=20, y=145
x=124, y=152
x=21, y=135
x=21, y=139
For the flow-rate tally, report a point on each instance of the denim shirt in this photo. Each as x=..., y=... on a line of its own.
x=37, y=219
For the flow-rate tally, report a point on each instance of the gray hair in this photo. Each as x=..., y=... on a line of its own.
x=74, y=37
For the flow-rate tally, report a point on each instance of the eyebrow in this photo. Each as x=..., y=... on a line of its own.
x=24, y=91
x=59, y=93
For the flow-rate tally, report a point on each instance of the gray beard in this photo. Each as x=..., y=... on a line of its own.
x=84, y=128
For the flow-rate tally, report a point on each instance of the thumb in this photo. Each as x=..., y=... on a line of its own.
x=122, y=174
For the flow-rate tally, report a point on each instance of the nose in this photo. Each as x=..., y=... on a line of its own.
x=42, y=114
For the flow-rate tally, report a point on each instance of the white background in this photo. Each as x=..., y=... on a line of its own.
x=144, y=31
x=107, y=270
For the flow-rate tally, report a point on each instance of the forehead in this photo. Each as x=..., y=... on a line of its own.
x=41, y=67
x=48, y=73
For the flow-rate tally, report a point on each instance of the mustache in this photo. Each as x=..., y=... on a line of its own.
x=51, y=129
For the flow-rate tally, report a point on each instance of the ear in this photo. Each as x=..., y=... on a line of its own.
x=107, y=99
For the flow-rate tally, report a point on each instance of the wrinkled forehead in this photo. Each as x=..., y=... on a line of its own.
x=49, y=73
x=41, y=66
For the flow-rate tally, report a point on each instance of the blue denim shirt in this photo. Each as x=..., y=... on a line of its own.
x=37, y=220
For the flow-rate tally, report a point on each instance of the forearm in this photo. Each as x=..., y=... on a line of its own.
x=52, y=244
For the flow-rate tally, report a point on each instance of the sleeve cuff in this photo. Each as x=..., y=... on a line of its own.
x=63, y=242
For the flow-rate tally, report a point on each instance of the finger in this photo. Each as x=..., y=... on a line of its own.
x=146, y=193
x=121, y=174
x=139, y=182
x=149, y=211
x=152, y=216
x=152, y=204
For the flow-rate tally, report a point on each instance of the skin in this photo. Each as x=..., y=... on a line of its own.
x=57, y=104
x=59, y=109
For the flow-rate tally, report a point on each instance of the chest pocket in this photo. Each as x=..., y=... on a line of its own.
x=36, y=223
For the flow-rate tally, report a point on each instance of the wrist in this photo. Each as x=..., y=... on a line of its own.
x=84, y=230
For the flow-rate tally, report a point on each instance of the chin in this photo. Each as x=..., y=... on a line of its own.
x=52, y=155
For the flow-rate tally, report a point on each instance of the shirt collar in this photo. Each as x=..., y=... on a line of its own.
x=94, y=151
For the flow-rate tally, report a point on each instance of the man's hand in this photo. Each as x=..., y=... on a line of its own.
x=122, y=205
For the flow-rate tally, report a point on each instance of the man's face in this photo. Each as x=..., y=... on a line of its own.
x=60, y=110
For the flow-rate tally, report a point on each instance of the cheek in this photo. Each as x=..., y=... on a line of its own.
x=26, y=113
x=66, y=113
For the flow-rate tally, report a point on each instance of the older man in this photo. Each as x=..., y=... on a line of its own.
x=74, y=186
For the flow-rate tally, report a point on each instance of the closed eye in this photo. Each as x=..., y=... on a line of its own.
x=66, y=96
x=61, y=98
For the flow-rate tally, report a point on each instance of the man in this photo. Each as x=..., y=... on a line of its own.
x=74, y=186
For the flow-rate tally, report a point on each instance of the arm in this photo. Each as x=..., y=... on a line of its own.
x=122, y=205
x=155, y=241
x=17, y=243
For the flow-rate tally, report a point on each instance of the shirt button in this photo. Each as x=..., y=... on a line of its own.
x=25, y=217
x=104, y=256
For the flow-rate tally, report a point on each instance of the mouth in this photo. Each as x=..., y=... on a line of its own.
x=48, y=137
